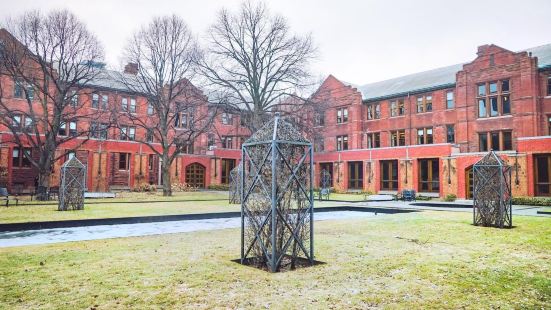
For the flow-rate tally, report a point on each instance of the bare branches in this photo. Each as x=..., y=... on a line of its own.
x=50, y=59
x=254, y=60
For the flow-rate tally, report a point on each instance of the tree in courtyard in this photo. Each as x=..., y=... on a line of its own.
x=254, y=61
x=50, y=58
x=163, y=54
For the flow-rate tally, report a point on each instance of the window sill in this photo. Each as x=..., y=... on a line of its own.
x=398, y=116
x=494, y=117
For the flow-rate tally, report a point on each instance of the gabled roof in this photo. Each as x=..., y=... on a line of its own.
x=433, y=79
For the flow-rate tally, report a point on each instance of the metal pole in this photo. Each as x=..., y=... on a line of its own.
x=242, y=205
x=274, y=195
x=311, y=206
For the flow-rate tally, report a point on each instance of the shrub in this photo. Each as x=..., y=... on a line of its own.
x=144, y=187
x=532, y=201
x=183, y=187
x=219, y=187
x=423, y=198
x=450, y=197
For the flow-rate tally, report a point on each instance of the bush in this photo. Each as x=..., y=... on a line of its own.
x=450, y=197
x=183, y=187
x=423, y=198
x=532, y=201
x=144, y=188
x=219, y=187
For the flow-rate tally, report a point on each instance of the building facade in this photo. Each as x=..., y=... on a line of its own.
x=425, y=131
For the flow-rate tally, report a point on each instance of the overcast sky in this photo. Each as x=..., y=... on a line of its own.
x=358, y=41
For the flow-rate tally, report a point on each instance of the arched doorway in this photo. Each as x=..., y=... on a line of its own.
x=195, y=175
x=469, y=189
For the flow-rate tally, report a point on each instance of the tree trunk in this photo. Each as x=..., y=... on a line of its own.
x=165, y=175
x=43, y=184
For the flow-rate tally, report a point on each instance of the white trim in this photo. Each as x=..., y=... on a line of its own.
x=533, y=138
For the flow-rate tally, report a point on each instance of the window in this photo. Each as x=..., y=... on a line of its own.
x=397, y=108
x=149, y=109
x=389, y=175
x=150, y=162
x=374, y=111
x=227, y=165
x=74, y=98
x=70, y=155
x=428, y=175
x=319, y=118
x=16, y=120
x=28, y=123
x=182, y=120
x=95, y=101
x=450, y=133
x=132, y=105
x=19, y=91
x=149, y=135
x=355, y=175
x=494, y=99
x=424, y=135
x=188, y=147
x=20, y=157
x=210, y=140
x=98, y=130
x=398, y=138
x=495, y=140
x=342, y=115
x=72, y=128
x=319, y=144
x=104, y=101
x=373, y=140
x=543, y=175
x=227, y=119
x=549, y=85
x=128, y=133
x=424, y=104
x=124, y=104
x=227, y=142
x=449, y=100
x=342, y=143
x=549, y=123
x=124, y=161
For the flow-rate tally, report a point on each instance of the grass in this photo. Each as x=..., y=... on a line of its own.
x=417, y=260
x=181, y=203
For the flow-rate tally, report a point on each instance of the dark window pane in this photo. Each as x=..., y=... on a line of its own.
x=505, y=85
x=493, y=106
x=493, y=88
x=483, y=142
x=506, y=105
x=507, y=141
x=495, y=141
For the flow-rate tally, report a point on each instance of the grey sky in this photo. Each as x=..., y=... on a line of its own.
x=358, y=41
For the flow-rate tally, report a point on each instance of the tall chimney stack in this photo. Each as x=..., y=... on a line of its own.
x=131, y=68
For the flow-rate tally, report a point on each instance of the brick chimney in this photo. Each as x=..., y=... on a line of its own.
x=131, y=68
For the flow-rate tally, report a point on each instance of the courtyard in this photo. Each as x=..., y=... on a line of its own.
x=425, y=259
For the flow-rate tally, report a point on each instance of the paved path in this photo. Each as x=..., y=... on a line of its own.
x=55, y=235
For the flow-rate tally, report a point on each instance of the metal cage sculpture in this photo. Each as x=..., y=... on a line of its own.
x=73, y=185
x=492, y=192
x=325, y=185
x=235, y=185
x=277, y=198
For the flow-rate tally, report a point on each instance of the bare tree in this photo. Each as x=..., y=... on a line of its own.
x=50, y=58
x=163, y=54
x=254, y=61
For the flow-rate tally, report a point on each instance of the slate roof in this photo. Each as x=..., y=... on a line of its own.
x=432, y=79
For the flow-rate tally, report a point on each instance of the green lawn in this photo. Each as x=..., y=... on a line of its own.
x=417, y=260
x=193, y=202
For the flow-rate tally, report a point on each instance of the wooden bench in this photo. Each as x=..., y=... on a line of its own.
x=4, y=195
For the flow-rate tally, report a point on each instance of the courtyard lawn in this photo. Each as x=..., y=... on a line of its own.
x=416, y=260
x=181, y=203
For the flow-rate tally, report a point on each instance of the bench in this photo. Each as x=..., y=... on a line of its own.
x=408, y=195
x=4, y=195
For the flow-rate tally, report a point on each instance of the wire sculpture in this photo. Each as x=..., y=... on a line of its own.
x=325, y=185
x=73, y=185
x=277, y=198
x=492, y=192
x=235, y=185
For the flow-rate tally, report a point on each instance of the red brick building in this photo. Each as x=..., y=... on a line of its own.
x=424, y=131
x=115, y=160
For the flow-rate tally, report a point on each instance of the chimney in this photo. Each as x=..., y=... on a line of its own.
x=131, y=68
